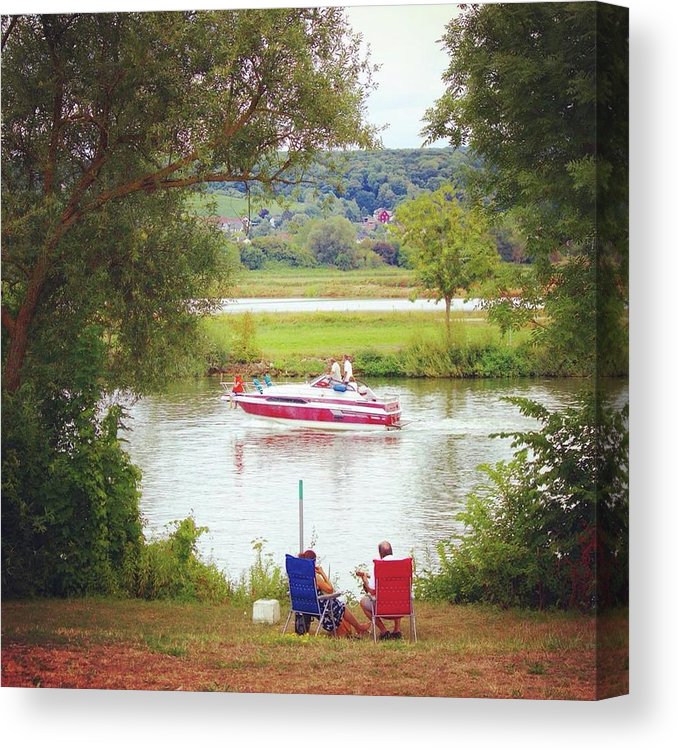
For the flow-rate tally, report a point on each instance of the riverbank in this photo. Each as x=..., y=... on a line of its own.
x=384, y=282
x=383, y=344
x=462, y=651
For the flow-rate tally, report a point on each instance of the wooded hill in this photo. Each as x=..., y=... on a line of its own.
x=356, y=183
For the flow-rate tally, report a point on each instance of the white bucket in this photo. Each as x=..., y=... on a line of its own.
x=266, y=611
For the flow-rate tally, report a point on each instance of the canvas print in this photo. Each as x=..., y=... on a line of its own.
x=315, y=350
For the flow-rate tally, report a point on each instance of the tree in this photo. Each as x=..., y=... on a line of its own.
x=449, y=244
x=540, y=93
x=387, y=251
x=109, y=122
x=333, y=241
x=98, y=109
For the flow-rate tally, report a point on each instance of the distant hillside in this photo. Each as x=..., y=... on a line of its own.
x=352, y=184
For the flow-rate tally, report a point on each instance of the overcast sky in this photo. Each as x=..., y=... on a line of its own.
x=404, y=41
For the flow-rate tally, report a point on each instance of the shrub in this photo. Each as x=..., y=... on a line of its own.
x=550, y=527
x=244, y=345
x=251, y=256
x=70, y=515
x=371, y=364
x=264, y=579
x=170, y=569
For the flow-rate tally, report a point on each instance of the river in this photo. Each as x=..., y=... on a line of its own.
x=315, y=304
x=239, y=476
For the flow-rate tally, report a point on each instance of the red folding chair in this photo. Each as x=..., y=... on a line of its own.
x=393, y=597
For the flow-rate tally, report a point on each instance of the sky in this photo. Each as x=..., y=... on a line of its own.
x=404, y=41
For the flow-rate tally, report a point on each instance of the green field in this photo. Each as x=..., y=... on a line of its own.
x=218, y=204
x=382, y=343
x=386, y=282
x=332, y=333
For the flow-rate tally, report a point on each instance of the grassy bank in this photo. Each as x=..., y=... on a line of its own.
x=219, y=204
x=383, y=344
x=386, y=282
x=469, y=651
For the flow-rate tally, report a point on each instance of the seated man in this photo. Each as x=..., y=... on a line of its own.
x=367, y=602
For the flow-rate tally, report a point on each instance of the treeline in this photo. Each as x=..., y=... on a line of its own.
x=334, y=217
x=364, y=181
x=302, y=242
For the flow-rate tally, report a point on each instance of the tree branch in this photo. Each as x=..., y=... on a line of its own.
x=57, y=107
x=8, y=31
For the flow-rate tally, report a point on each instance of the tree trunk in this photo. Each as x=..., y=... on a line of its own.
x=448, y=306
x=19, y=329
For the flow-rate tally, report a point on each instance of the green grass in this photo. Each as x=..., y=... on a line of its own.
x=465, y=651
x=383, y=344
x=279, y=336
x=218, y=204
x=384, y=282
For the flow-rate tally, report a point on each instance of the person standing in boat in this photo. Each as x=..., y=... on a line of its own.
x=335, y=370
x=348, y=369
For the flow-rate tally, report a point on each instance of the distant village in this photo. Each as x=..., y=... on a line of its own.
x=239, y=227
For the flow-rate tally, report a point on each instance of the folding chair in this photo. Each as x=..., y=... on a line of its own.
x=393, y=598
x=304, y=596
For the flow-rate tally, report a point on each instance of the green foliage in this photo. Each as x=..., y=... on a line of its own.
x=170, y=569
x=244, y=346
x=353, y=184
x=549, y=527
x=279, y=250
x=264, y=579
x=251, y=256
x=372, y=364
x=71, y=522
x=105, y=114
x=431, y=358
x=448, y=244
x=540, y=92
x=333, y=242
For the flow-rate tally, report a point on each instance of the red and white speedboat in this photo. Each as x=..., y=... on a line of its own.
x=324, y=403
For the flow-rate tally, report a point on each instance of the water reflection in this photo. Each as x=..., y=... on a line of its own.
x=239, y=476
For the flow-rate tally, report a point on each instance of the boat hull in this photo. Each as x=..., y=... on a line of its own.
x=326, y=416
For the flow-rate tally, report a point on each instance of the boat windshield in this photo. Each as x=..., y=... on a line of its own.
x=327, y=381
x=355, y=386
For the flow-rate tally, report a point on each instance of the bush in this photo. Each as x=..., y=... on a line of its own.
x=264, y=579
x=244, y=346
x=70, y=515
x=279, y=251
x=550, y=527
x=170, y=569
x=251, y=256
x=371, y=364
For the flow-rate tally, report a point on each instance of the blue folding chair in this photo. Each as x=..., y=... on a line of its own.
x=304, y=596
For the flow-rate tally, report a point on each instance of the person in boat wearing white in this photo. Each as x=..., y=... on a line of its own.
x=348, y=369
x=335, y=370
x=367, y=602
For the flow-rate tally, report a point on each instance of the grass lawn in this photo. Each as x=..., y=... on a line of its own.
x=463, y=651
x=219, y=204
x=385, y=282
x=283, y=338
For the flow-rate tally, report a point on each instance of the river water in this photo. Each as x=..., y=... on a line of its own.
x=294, y=304
x=239, y=476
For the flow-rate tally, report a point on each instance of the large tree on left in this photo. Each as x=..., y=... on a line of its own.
x=102, y=112
x=108, y=123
